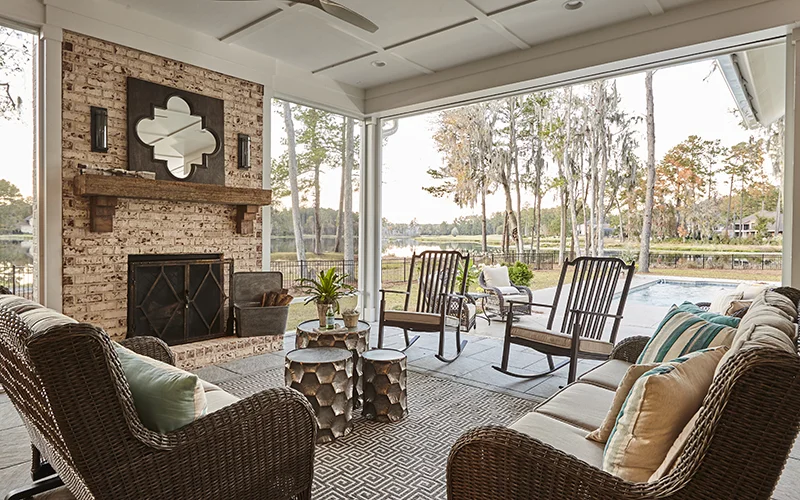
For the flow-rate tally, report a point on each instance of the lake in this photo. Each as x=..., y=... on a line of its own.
x=16, y=252
x=392, y=247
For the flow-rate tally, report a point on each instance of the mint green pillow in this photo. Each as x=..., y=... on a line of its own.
x=166, y=398
x=719, y=319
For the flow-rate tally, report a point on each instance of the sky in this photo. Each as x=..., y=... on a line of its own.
x=16, y=136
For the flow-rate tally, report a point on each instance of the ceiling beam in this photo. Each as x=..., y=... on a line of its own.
x=253, y=26
x=654, y=7
x=495, y=25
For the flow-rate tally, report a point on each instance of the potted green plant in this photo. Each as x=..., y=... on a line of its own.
x=325, y=290
x=470, y=274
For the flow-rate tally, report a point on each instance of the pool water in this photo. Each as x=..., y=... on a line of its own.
x=665, y=293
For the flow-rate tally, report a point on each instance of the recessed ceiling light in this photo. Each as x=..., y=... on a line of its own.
x=573, y=4
x=379, y=64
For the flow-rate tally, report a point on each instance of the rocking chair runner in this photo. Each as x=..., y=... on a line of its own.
x=594, y=282
x=435, y=298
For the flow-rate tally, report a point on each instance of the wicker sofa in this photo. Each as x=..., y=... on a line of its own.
x=737, y=450
x=66, y=382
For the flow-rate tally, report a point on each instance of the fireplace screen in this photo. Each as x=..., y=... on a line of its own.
x=178, y=298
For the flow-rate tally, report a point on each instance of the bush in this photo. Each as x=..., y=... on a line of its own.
x=519, y=274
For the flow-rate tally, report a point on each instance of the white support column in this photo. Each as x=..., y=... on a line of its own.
x=266, y=180
x=369, y=221
x=791, y=186
x=49, y=140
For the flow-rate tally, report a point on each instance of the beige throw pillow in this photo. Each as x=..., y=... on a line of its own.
x=631, y=376
x=496, y=277
x=722, y=303
x=676, y=449
x=660, y=404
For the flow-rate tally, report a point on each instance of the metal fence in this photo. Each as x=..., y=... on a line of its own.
x=741, y=261
x=293, y=271
x=18, y=279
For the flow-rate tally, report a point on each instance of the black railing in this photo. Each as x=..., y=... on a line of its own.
x=294, y=270
x=18, y=279
x=742, y=261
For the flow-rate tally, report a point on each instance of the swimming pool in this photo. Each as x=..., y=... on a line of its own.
x=664, y=293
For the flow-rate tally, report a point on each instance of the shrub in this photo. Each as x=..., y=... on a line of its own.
x=519, y=274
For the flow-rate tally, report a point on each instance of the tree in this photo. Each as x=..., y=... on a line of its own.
x=743, y=161
x=349, y=162
x=15, y=54
x=463, y=136
x=291, y=144
x=13, y=207
x=647, y=222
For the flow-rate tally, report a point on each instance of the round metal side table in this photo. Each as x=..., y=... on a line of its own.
x=324, y=375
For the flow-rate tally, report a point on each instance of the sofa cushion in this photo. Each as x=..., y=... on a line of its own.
x=18, y=304
x=166, y=398
x=560, y=435
x=751, y=290
x=608, y=374
x=39, y=320
x=556, y=339
x=603, y=431
x=582, y=405
x=216, y=397
x=768, y=323
x=658, y=407
x=496, y=276
x=681, y=333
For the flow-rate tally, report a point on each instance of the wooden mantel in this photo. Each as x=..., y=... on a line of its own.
x=103, y=191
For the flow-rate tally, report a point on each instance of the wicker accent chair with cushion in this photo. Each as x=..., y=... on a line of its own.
x=66, y=381
x=735, y=446
x=496, y=282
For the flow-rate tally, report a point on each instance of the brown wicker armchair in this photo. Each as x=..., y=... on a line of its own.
x=737, y=450
x=68, y=386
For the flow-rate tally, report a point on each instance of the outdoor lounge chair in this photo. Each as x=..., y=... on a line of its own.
x=65, y=380
x=434, y=300
x=591, y=293
x=496, y=282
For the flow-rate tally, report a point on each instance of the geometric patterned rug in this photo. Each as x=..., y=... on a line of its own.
x=405, y=460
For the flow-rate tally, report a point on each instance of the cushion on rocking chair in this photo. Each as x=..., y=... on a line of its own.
x=556, y=339
x=411, y=317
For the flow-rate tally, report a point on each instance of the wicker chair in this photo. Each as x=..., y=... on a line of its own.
x=737, y=450
x=67, y=384
x=504, y=291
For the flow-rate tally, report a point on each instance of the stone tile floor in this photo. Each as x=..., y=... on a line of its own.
x=474, y=367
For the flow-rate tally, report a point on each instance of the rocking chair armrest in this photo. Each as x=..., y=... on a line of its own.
x=591, y=313
x=401, y=292
x=527, y=303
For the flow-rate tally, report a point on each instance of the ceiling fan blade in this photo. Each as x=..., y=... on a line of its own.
x=346, y=15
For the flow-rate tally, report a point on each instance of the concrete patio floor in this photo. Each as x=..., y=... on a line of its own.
x=474, y=368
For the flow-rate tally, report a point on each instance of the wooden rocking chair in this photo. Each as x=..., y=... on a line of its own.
x=435, y=302
x=594, y=282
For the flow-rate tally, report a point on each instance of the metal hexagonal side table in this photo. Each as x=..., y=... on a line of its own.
x=356, y=340
x=324, y=375
x=385, y=381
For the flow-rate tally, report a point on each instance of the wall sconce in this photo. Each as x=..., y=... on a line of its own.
x=244, y=151
x=99, y=130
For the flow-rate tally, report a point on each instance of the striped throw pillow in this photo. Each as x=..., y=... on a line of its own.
x=658, y=408
x=681, y=333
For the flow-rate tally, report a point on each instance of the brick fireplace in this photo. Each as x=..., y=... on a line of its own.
x=95, y=264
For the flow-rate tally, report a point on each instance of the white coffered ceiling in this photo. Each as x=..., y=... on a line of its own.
x=416, y=37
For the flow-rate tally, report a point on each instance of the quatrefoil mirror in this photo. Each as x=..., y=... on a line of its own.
x=174, y=133
x=177, y=137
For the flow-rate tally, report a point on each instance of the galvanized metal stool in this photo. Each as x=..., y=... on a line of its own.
x=385, y=381
x=324, y=375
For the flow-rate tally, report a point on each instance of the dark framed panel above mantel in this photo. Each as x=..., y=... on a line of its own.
x=143, y=99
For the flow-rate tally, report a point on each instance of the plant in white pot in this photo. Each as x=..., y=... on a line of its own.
x=326, y=290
